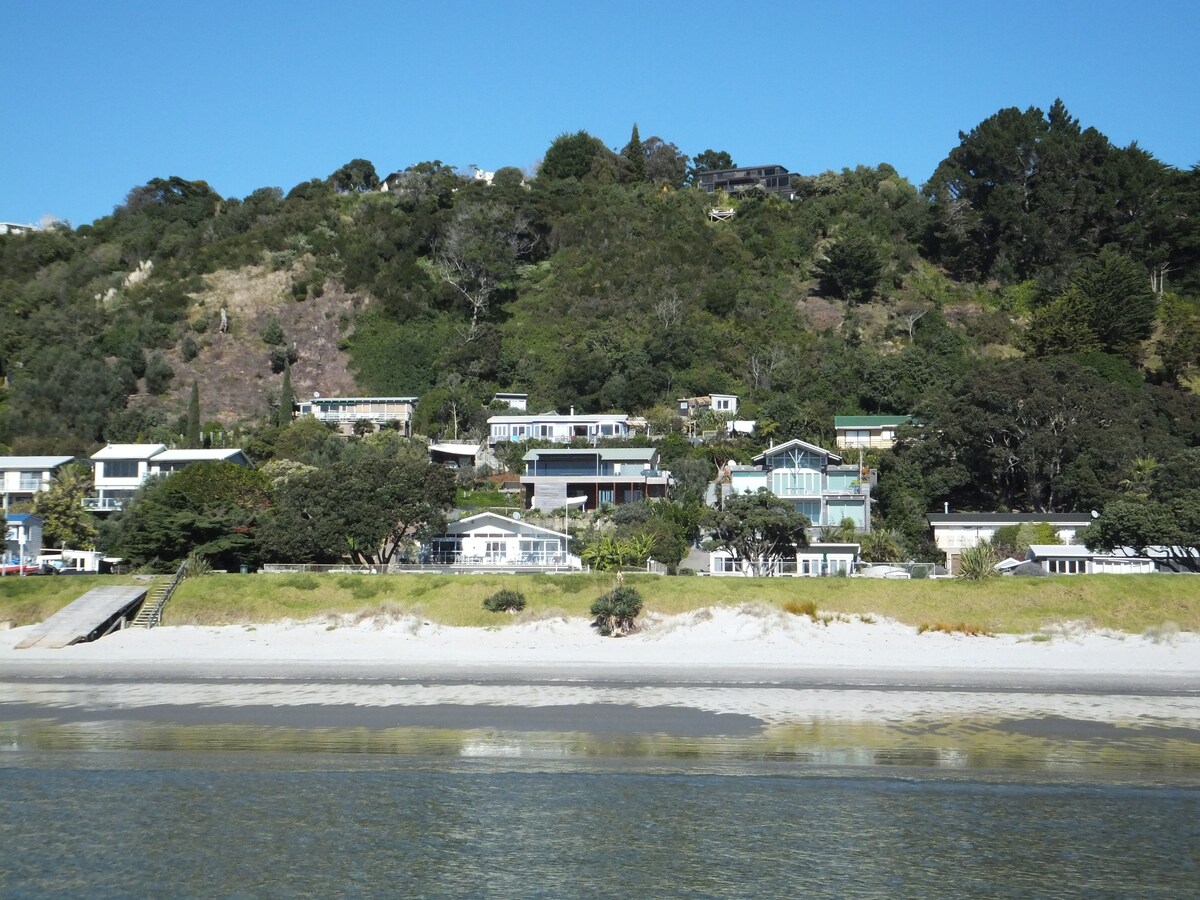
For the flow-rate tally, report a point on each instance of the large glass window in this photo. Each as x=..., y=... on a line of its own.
x=121, y=468
x=30, y=481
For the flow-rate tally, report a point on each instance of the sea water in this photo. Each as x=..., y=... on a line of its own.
x=224, y=789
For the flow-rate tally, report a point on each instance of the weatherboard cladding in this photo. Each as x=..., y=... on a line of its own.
x=870, y=421
x=1007, y=518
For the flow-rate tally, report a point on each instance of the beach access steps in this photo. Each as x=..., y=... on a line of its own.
x=97, y=613
x=150, y=615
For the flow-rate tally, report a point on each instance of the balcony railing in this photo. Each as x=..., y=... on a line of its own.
x=104, y=504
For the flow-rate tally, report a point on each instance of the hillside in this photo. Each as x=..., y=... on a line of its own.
x=1035, y=304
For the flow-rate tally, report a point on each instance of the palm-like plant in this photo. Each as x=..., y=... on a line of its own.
x=616, y=612
x=978, y=562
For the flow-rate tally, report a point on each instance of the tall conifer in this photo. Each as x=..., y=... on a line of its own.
x=636, y=154
x=287, y=397
x=193, y=417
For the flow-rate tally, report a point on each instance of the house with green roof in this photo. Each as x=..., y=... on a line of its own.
x=592, y=477
x=868, y=432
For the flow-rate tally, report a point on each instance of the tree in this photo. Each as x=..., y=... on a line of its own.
x=193, y=417
x=572, y=156
x=377, y=504
x=635, y=155
x=65, y=523
x=358, y=176
x=851, y=268
x=759, y=529
x=1171, y=527
x=665, y=164
x=287, y=398
x=709, y=161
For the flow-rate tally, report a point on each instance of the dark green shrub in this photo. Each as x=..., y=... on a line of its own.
x=189, y=349
x=505, y=601
x=617, y=611
x=158, y=375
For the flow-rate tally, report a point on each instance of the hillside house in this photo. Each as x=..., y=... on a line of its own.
x=774, y=180
x=558, y=429
x=120, y=469
x=344, y=412
x=812, y=479
x=592, y=478
x=868, y=432
x=722, y=404
x=23, y=476
x=515, y=401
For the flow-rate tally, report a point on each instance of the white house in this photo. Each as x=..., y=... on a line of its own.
x=813, y=561
x=344, y=412
x=123, y=468
x=492, y=540
x=723, y=404
x=514, y=400
x=813, y=480
x=23, y=539
x=23, y=476
x=955, y=532
x=557, y=428
x=1058, y=559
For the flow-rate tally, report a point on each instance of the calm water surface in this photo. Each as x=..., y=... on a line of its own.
x=319, y=790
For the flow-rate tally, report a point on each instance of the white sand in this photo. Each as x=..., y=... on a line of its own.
x=718, y=640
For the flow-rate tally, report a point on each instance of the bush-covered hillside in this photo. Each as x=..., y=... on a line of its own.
x=1036, y=304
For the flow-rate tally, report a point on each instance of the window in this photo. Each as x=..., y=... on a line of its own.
x=121, y=468
x=858, y=437
x=30, y=481
x=724, y=564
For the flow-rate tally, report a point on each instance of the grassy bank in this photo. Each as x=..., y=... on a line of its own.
x=1131, y=603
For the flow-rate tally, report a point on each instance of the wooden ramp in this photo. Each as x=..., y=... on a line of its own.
x=93, y=615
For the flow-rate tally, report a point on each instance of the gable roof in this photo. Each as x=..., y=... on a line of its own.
x=870, y=421
x=503, y=521
x=796, y=443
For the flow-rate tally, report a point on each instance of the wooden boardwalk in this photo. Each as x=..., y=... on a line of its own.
x=91, y=616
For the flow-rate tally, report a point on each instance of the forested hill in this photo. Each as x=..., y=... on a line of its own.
x=1036, y=304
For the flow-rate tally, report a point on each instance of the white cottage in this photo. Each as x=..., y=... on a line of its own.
x=813, y=561
x=490, y=540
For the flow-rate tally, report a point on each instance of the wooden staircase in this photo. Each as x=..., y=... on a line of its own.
x=150, y=615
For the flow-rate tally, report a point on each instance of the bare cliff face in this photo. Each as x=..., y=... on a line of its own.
x=232, y=366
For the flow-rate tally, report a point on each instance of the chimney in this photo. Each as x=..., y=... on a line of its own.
x=946, y=507
x=572, y=410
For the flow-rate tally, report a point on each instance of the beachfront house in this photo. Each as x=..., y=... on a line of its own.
x=955, y=532
x=558, y=429
x=592, y=478
x=23, y=476
x=22, y=539
x=868, y=432
x=1074, y=559
x=345, y=412
x=814, y=561
x=814, y=480
x=120, y=469
x=496, y=542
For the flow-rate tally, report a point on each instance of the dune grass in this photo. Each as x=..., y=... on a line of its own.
x=1131, y=603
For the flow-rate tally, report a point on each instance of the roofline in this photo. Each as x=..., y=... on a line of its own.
x=510, y=520
x=1007, y=518
x=785, y=444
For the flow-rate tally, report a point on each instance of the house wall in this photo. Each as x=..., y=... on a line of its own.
x=27, y=536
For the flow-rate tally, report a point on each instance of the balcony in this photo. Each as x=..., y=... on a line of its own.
x=104, y=504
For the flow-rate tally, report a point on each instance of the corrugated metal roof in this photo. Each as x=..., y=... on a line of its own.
x=611, y=453
x=195, y=455
x=558, y=417
x=34, y=462
x=129, y=451
x=981, y=518
x=869, y=421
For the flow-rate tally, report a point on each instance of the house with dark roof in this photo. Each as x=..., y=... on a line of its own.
x=592, y=478
x=773, y=179
x=955, y=532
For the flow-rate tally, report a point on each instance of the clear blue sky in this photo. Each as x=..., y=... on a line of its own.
x=98, y=97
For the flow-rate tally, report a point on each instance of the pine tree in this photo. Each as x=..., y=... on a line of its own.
x=287, y=398
x=193, y=417
x=635, y=153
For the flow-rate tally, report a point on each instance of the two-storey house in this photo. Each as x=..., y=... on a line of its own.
x=23, y=476
x=592, y=478
x=775, y=180
x=120, y=469
x=812, y=479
